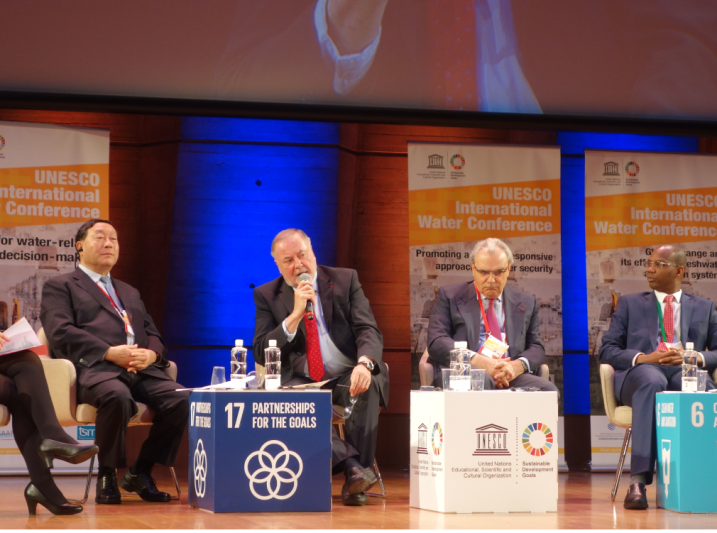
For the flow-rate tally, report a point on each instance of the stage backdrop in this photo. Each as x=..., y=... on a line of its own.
x=51, y=180
x=635, y=201
x=460, y=194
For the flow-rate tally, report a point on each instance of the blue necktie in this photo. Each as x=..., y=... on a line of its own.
x=107, y=282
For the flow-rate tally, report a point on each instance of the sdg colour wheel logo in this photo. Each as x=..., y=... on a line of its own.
x=537, y=439
x=458, y=161
x=632, y=169
x=437, y=439
x=2, y=142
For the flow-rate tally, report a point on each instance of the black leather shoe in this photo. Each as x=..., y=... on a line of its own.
x=33, y=496
x=359, y=479
x=143, y=484
x=636, y=497
x=107, y=489
x=72, y=453
x=352, y=499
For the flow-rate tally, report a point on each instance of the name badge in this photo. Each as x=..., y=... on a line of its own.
x=493, y=348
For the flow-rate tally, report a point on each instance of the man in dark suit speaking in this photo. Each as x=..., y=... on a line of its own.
x=638, y=347
x=341, y=341
x=100, y=324
x=484, y=308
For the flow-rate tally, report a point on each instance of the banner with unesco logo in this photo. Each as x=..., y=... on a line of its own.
x=459, y=194
x=635, y=201
x=51, y=180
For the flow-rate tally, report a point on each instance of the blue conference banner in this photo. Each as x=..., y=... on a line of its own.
x=255, y=451
x=686, y=465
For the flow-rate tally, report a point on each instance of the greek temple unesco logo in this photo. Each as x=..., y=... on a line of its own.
x=200, y=469
x=422, y=439
x=491, y=440
x=611, y=169
x=273, y=472
x=537, y=439
x=435, y=161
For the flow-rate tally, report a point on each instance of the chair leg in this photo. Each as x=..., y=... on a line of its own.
x=382, y=494
x=87, y=486
x=621, y=462
x=176, y=483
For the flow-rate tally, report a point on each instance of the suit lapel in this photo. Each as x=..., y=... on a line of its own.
x=686, y=308
x=85, y=282
x=326, y=295
x=650, y=314
x=513, y=316
x=470, y=310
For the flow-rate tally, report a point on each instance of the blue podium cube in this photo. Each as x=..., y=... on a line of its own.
x=686, y=451
x=255, y=451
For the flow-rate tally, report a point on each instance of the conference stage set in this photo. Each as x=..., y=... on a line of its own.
x=396, y=145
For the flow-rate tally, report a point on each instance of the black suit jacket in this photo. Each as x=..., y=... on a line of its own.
x=633, y=329
x=456, y=316
x=81, y=325
x=346, y=312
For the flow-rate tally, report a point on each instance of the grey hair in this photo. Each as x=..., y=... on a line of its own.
x=491, y=245
x=285, y=234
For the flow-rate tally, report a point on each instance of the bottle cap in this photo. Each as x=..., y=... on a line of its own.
x=690, y=346
x=456, y=345
x=463, y=345
x=272, y=344
x=239, y=342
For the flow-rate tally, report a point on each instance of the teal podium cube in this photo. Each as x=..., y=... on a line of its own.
x=686, y=451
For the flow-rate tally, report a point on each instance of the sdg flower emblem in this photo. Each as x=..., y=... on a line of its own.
x=200, y=470
x=273, y=471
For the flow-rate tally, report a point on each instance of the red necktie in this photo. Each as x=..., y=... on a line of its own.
x=452, y=54
x=313, y=350
x=493, y=323
x=668, y=322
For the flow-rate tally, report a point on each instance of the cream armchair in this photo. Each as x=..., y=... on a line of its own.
x=62, y=382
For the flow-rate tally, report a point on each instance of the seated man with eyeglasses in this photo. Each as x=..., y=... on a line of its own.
x=639, y=346
x=485, y=309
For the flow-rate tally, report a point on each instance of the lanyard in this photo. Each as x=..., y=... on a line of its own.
x=485, y=319
x=662, y=322
x=122, y=313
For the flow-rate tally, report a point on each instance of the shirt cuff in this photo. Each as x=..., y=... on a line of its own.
x=527, y=363
x=634, y=359
x=289, y=336
x=703, y=360
x=348, y=69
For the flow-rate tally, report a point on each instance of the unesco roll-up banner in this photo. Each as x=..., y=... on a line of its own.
x=460, y=194
x=635, y=201
x=51, y=180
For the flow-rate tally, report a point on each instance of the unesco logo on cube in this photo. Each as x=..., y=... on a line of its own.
x=85, y=432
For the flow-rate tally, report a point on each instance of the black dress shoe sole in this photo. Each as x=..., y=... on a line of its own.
x=162, y=497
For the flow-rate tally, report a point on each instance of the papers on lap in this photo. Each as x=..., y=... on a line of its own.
x=22, y=337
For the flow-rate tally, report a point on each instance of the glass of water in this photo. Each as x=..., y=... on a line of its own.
x=446, y=374
x=477, y=379
x=701, y=380
x=272, y=379
x=218, y=375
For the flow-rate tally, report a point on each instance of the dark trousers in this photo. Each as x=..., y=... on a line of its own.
x=115, y=403
x=523, y=380
x=638, y=391
x=361, y=426
x=23, y=389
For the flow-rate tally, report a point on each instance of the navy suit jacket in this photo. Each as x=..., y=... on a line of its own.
x=456, y=316
x=634, y=329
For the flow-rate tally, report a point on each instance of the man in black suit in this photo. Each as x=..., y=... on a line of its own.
x=458, y=316
x=643, y=359
x=341, y=341
x=101, y=325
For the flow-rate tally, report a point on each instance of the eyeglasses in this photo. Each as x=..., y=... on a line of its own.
x=658, y=264
x=486, y=273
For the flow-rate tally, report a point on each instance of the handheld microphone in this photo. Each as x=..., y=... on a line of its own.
x=309, y=304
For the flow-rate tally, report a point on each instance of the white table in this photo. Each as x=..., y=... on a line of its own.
x=491, y=451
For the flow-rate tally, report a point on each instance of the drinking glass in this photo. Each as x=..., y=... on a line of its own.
x=447, y=374
x=218, y=375
x=701, y=380
x=477, y=379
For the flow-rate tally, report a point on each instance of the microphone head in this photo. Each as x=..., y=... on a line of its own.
x=304, y=277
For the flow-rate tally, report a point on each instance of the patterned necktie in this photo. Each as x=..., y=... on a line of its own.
x=111, y=291
x=668, y=322
x=452, y=54
x=493, y=323
x=313, y=350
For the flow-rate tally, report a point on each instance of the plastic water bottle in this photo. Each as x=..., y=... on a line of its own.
x=689, y=368
x=238, y=360
x=460, y=363
x=272, y=362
